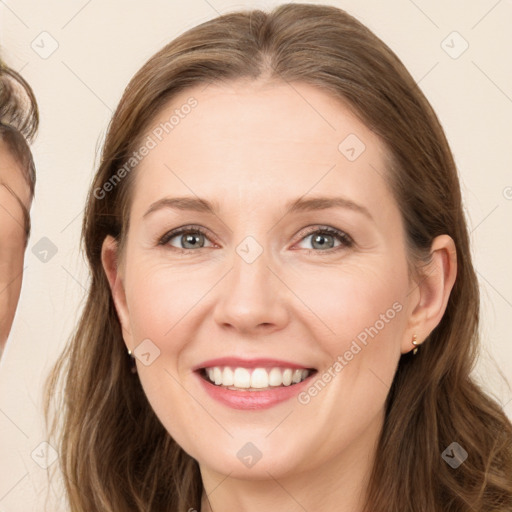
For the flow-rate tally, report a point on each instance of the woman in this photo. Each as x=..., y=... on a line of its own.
x=19, y=120
x=276, y=240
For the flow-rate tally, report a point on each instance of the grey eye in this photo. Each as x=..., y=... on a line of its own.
x=187, y=239
x=322, y=240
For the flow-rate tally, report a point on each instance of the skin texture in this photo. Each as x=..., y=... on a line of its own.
x=253, y=147
x=14, y=191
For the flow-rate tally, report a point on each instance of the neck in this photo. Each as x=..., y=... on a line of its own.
x=339, y=484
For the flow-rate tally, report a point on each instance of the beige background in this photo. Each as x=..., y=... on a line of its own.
x=102, y=43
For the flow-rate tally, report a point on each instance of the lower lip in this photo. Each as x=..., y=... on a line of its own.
x=251, y=400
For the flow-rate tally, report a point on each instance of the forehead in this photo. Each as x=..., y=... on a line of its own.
x=254, y=142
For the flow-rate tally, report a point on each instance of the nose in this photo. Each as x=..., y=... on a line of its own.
x=252, y=298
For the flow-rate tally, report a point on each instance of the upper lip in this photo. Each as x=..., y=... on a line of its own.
x=249, y=363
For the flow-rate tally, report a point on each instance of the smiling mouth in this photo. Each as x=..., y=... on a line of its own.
x=254, y=379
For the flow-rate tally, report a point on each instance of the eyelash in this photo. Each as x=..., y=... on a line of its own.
x=344, y=238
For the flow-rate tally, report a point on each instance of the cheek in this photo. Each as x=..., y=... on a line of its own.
x=362, y=311
x=355, y=301
x=161, y=300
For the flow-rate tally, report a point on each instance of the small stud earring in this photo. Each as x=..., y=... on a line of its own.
x=134, y=367
x=415, y=343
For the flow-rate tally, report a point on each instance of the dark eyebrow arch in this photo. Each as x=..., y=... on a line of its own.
x=324, y=203
x=190, y=203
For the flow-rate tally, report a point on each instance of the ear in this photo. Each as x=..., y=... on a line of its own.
x=110, y=261
x=432, y=291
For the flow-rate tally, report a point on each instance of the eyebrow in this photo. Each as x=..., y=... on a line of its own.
x=190, y=203
x=324, y=203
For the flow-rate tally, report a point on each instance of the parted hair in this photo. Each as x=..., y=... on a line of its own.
x=115, y=455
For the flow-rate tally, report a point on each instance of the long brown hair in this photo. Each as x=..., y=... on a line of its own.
x=19, y=121
x=114, y=452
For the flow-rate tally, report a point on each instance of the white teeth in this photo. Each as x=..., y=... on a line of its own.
x=228, y=378
x=275, y=377
x=242, y=378
x=287, y=377
x=297, y=376
x=258, y=378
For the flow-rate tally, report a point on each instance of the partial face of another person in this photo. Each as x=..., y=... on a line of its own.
x=14, y=198
x=256, y=278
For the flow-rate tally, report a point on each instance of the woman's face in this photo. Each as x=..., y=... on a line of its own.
x=259, y=278
x=14, y=198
